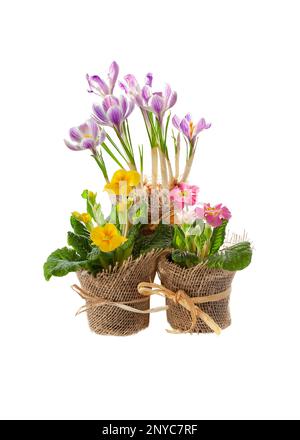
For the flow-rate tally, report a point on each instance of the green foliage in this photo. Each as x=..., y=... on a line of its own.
x=218, y=237
x=200, y=241
x=79, y=228
x=185, y=259
x=114, y=217
x=80, y=244
x=179, y=239
x=93, y=208
x=160, y=239
x=98, y=260
x=61, y=262
x=125, y=251
x=233, y=258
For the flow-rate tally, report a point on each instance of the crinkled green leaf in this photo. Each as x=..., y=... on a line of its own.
x=233, y=258
x=80, y=244
x=179, y=239
x=160, y=239
x=61, y=262
x=200, y=241
x=218, y=237
x=79, y=228
x=185, y=259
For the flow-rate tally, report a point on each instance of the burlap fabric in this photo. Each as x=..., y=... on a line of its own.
x=119, y=285
x=196, y=282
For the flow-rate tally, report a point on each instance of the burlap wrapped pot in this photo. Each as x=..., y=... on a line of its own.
x=199, y=281
x=119, y=286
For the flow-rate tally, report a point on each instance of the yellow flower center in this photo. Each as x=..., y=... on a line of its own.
x=192, y=127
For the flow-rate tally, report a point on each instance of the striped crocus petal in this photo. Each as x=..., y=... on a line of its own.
x=109, y=101
x=130, y=108
x=115, y=116
x=168, y=92
x=75, y=134
x=123, y=87
x=93, y=128
x=146, y=93
x=87, y=144
x=172, y=100
x=185, y=128
x=157, y=104
x=73, y=147
x=124, y=105
x=97, y=84
x=113, y=76
x=202, y=125
x=149, y=79
x=84, y=129
x=100, y=114
x=176, y=122
x=131, y=81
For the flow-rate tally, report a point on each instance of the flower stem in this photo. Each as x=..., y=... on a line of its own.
x=188, y=167
x=163, y=169
x=154, y=157
x=177, y=157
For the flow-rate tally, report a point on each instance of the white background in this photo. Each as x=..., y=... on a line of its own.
x=237, y=64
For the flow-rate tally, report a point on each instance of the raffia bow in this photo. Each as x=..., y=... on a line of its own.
x=94, y=301
x=148, y=289
x=188, y=303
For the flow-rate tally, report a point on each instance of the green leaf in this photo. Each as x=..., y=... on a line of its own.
x=200, y=241
x=98, y=260
x=160, y=239
x=61, y=262
x=125, y=251
x=179, y=239
x=218, y=237
x=79, y=228
x=191, y=245
x=185, y=259
x=98, y=215
x=233, y=258
x=80, y=244
x=138, y=214
x=114, y=217
x=93, y=208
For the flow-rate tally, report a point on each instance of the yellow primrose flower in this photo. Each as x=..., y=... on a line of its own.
x=123, y=182
x=107, y=237
x=85, y=218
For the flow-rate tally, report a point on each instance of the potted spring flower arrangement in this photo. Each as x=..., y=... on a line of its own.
x=112, y=255
x=201, y=265
x=110, y=261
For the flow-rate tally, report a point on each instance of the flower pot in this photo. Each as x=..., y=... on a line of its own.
x=199, y=281
x=117, y=290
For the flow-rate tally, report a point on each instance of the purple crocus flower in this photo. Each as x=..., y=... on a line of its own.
x=132, y=88
x=159, y=102
x=99, y=86
x=87, y=136
x=188, y=128
x=113, y=111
